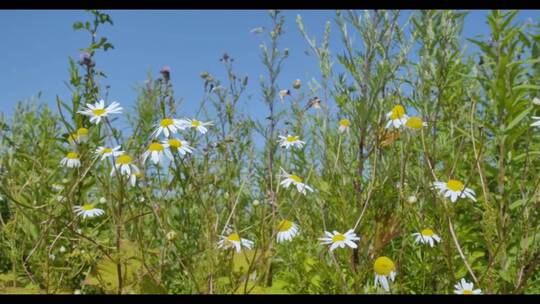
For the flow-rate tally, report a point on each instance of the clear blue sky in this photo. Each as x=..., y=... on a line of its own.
x=35, y=46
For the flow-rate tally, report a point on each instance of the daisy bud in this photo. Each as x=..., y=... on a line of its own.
x=62, y=249
x=412, y=199
x=102, y=200
x=256, y=203
x=171, y=235
x=536, y=101
x=297, y=84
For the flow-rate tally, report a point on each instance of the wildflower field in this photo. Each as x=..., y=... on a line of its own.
x=411, y=166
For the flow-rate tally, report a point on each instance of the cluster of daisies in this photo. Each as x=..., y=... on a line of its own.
x=383, y=267
x=123, y=163
x=168, y=128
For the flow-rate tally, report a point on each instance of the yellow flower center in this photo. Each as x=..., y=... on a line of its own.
x=87, y=207
x=72, y=155
x=124, y=160
x=166, y=122
x=106, y=150
x=427, y=232
x=467, y=292
x=338, y=237
x=397, y=112
x=383, y=266
x=345, y=122
x=455, y=185
x=234, y=237
x=82, y=131
x=291, y=138
x=295, y=178
x=285, y=225
x=175, y=143
x=414, y=123
x=98, y=112
x=155, y=147
x=195, y=123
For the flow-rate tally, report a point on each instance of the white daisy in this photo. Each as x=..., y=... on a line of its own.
x=156, y=151
x=397, y=117
x=454, y=189
x=466, y=288
x=234, y=240
x=344, y=125
x=295, y=180
x=126, y=167
x=340, y=240
x=71, y=160
x=79, y=137
x=105, y=152
x=290, y=140
x=537, y=122
x=415, y=123
x=426, y=236
x=286, y=231
x=384, y=269
x=88, y=210
x=196, y=124
x=168, y=126
x=181, y=146
x=98, y=110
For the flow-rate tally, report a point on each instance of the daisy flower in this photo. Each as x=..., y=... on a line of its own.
x=340, y=240
x=290, y=140
x=105, y=152
x=286, y=231
x=384, y=269
x=426, y=236
x=181, y=146
x=397, y=117
x=87, y=210
x=98, y=110
x=234, y=240
x=197, y=124
x=344, y=125
x=168, y=126
x=126, y=167
x=295, y=180
x=537, y=122
x=466, y=288
x=454, y=189
x=78, y=137
x=71, y=160
x=156, y=151
x=415, y=123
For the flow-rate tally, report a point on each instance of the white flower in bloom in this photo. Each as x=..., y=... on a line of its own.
x=234, y=240
x=454, y=189
x=105, y=152
x=181, y=146
x=426, y=236
x=290, y=141
x=87, y=210
x=196, y=124
x=466, y=288
x=126, y=167
x=156, y=151
x=384, y=269
x=284, y=93
x=396, y=117
x=168, y=126
x=295, y=180
x=286, y=231
x=98, y=110
x=339, y=239
x=344, y=125
x=71, y=160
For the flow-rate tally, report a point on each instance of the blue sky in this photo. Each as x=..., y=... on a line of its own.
x=36, y=45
